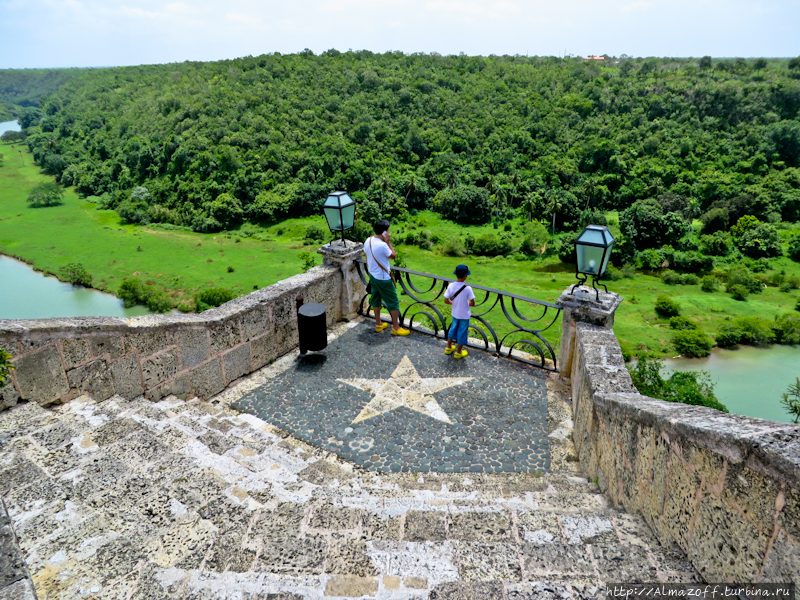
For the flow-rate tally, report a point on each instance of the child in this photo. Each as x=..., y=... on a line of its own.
x=461, y=296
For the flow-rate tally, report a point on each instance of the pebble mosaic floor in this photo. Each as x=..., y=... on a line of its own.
x=399, y=404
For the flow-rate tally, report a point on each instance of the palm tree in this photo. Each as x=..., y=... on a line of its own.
x=412, y=185
x=553, y=204
x=384, y=183
x=451, y=178
x=529, y=204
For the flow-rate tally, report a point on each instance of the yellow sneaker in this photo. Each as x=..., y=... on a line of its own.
x=401, y=331
x=449, y=350
x=381, y=327
x=461, y=354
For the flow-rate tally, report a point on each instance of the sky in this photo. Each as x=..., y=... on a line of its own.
x=84, y=33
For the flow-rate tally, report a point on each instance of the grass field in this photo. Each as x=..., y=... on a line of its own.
x=185, y=262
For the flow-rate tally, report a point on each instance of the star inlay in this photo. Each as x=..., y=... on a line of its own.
x=406, y=388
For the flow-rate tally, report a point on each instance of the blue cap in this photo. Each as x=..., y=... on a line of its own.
x=462, y=270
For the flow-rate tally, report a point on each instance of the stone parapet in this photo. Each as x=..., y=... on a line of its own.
x=157, y=355
x=724, y=488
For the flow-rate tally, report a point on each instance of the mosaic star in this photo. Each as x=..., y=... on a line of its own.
x=406, y=388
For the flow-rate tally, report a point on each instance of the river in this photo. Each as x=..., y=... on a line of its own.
x=749, y=381
x=31, y=295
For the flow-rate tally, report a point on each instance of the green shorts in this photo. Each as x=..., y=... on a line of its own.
x=383, y=292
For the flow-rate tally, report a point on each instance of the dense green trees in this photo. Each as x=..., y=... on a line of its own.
x=267, y=137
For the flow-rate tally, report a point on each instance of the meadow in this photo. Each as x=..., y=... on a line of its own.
x=184, y=262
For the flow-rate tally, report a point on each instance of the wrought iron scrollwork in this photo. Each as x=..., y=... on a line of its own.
x=487, y=299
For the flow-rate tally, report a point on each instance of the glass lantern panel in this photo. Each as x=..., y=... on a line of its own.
x=333, y=216
x=590, y=259
x=331, y=202
x=592, y=236
x=605, y=258
x=348, y=215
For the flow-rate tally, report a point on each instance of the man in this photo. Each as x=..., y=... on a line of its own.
x=379, y=250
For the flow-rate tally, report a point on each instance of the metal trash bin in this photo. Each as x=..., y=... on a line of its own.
x=312, y=327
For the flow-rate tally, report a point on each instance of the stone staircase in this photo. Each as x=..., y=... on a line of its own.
x=192, y=500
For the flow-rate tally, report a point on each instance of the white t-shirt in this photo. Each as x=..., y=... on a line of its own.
x=378, y=250
x=461, y=308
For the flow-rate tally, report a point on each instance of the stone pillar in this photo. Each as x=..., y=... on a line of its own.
x=337, y=254
x=583, y=307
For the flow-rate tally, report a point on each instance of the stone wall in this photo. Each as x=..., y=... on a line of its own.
x=724, y=488
x=158, y=355
x=15, y=579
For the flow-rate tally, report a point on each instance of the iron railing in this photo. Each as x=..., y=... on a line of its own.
x=422, y=305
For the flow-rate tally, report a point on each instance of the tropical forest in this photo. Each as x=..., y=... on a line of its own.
x=181, y=186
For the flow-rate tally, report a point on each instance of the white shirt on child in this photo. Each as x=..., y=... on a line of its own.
x=461, y=308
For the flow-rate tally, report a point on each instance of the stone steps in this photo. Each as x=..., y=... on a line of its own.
x=192, y=500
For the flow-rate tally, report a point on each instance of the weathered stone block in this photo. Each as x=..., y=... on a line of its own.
x=286, y=337
x=20, y=590
x=206, y=380
x=789, y=517
x=41, y=377
x=113, y=346
x=127, y=377
x=753, y=493
x=159, y=368
x=349, y=586
x=10, y=558
x=148, y=343
x=75, y=352
x=284, y=308
x=224, y=335
x=94, y=378
x=783, y=562
x=8, y=396
x=236, y=363
x=681, y=502
x=262, y=350
x=256, y=322
x=9, y=345
x=193, y=346
x=725, y=547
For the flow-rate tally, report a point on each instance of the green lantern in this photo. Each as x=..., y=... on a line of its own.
x=340, y=212
x=592, y=250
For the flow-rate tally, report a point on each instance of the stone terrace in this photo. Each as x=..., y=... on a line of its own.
x=193, y=500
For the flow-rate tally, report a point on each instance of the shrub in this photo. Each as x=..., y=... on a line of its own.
x=709, y=283
x=612, y=274
x=134, y=291
x=728, y=335
x=793, y=251
x=797, y=306
x=755, y=331
x=5, y=367
x=792, y=282
x=692, y=343
x=212, y=297
x=787, y=329
x=682, y=323
x=718, y=243
x=790, y=400
x=742, y=276
x=76, y=274
x=46, y=194
x=738, y=292
x=454, y=247
x=666, y=307
x=689, y=387
x=629, y=271
x=566, y=250
x=535, y=238
x=308, y=260
x=651, y=259
x=314, y=234
x=689, y=279
x=670, y=277
x=693, y=262
x=489, y=244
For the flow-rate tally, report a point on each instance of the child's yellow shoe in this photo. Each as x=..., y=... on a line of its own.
x=449, y=350
x=381, y=327
x=401, y=331
x=461, y=354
